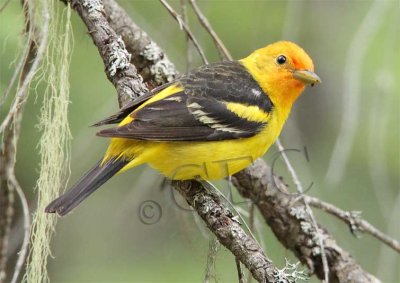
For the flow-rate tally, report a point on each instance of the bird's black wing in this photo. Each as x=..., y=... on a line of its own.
x=131, y=106
x=199, y=110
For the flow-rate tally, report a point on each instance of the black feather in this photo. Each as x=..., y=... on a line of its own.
x=180, y=124
x=172, y=120
x=228, y=81
x=127, y=109
x=91, y=181
x=199, y=112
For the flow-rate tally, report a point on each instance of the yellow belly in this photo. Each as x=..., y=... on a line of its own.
x=208, y=160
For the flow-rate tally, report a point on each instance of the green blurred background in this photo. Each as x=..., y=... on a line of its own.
x=104, y=240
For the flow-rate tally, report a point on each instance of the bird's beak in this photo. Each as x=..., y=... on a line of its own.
x=306, y=77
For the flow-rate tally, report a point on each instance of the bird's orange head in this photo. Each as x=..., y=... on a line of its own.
x=282, y=69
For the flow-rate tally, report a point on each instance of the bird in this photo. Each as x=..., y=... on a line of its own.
x=209, y=123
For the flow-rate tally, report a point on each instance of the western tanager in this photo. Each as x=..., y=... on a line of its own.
x=210, y=123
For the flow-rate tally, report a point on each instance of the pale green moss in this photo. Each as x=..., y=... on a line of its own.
x=54, y=145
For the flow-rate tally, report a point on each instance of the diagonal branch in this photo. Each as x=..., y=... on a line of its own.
x=220, y=220
x=184, y=26
x=116, y=59
x=287, y=216
x=207, y=26
x=150, y=60
x=185, y=19
x=300, y=190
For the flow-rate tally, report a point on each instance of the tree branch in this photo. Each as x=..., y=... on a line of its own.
x=185, y=18
x=149, y=59
x=300, y=190
x=116, y=59
x=353, y=219
x=292, y=225
x=185, y=27
x=220, y=221
x=207, y=26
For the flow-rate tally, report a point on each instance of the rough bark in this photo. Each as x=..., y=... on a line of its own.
x=286, y=214
x=150, y=60
x=119, y=71
x=220, y=220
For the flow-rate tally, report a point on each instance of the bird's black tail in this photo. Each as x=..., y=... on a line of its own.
x=91, y=181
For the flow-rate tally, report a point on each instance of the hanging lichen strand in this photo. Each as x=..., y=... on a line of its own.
x=54, y=145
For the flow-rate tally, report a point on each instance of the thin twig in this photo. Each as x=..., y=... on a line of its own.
x=6, y=204
x=252, y=208
x=22, y=61
x=292, y=225
x=27, y=224
x=213, y=248
x=188, y=44
x=183, y=26
x=223, y=51
x=4, y=5
x=352, y=218
x=15, y=75
x=240, y=272
x=252, y=216
x=214, y=189
x=33, y=55
x=220, y=220
x=21, y=95
x=300, y=190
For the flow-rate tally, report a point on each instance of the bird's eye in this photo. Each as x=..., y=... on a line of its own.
x=281, y=59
